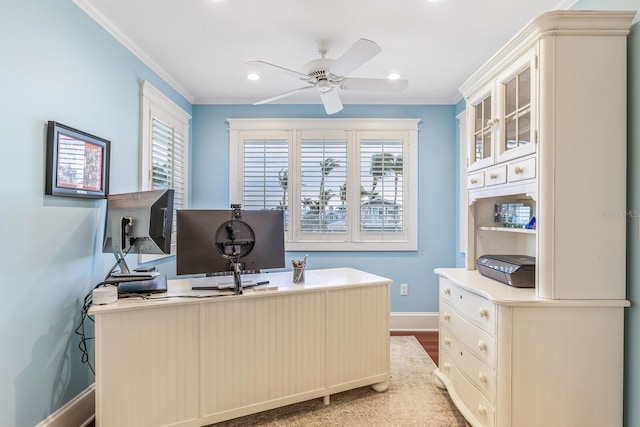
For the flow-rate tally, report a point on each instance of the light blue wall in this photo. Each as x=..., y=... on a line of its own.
x=436, y=181
x=56, y=64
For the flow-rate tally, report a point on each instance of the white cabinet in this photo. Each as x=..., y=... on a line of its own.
x=546, y=119
x=502, y=115
x=508, y=358
x=557, y=126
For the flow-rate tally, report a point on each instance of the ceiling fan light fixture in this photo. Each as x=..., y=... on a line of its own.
x=323, y=85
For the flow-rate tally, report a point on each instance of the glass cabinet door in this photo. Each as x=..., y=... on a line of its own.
x=482, y=130
x=517, y=111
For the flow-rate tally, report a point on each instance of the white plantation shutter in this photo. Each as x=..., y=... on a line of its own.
x=168, y=163
x=165, y=129
x=382, y=178
x=323, y=181
x=265, y=174
x=341, y=185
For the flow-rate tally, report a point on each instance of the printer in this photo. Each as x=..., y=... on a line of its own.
x=514, y=270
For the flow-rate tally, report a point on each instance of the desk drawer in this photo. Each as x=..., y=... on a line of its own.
x=474, y=338
x=475, y=308
x=476, y=371
x=474, y=401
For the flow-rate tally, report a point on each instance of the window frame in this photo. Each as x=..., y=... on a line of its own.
x=154, y=104
x=294, y=130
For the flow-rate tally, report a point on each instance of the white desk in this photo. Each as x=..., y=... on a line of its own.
x=183, y=361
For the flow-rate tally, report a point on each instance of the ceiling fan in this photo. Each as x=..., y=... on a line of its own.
x=328, y=75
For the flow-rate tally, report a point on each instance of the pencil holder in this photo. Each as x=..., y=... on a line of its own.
x=298, y=274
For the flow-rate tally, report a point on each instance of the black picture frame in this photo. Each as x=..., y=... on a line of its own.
x=77, y=163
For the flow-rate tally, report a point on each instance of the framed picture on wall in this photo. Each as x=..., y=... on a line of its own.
x=77, y=163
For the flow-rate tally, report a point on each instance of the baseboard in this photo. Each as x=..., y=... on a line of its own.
x=420, y=321
x=78, y=412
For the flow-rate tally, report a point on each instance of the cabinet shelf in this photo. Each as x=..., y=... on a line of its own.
x=507, y=230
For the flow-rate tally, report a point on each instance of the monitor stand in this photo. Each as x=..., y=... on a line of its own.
x=152, y=286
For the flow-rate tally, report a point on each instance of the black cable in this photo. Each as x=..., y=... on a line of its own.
x=88, y=302
x=84, y=314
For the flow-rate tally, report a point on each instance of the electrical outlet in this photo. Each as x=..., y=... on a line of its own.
x=404, y=289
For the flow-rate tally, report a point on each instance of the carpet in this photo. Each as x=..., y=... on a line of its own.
x=413, y=399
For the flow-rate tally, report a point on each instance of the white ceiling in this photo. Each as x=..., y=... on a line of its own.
x=200, y=47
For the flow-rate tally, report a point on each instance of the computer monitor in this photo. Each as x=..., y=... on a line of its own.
x=203, y=235
x=140, y=223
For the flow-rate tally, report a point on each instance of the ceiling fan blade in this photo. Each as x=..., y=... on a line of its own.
x=361, y=51
x=282, y=95
x=279, y=68
x=331, y=101
x=374, y=85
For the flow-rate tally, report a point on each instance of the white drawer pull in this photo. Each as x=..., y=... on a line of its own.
x=518, y=170
x=446, y=341
x=474, y=180
x=481, y=409
x=483, y=312
x=493, y=176
x=446, y=366
x=447, y=291
x=446, y=316
x=482, y=377
x=482, y=346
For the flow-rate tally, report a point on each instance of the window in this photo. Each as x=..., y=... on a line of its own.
x=164, y=148
x=341, y=182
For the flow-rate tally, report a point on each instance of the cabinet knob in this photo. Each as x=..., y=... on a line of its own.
x=482, y=377
x=481, y=409
x=446, y=315
x=447, y=291
x=493, y=176
x=446, y=341
x=446, y=366
x=483, y=312
x=482, y=346
x=474, y=181
x=518, y=170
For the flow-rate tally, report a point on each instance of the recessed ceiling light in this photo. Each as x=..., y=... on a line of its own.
x=253, y=76
x=393, y=76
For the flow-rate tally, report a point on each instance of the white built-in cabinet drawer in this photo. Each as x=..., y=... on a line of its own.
x=525, y=169
x=467, y=338
x=482, y=411
x=495, y=176
x=474, y=308
x=476, y=369
x=475, y=180
x=477, y=340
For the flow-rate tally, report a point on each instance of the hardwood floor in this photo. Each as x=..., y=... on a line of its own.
x=429, y=341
